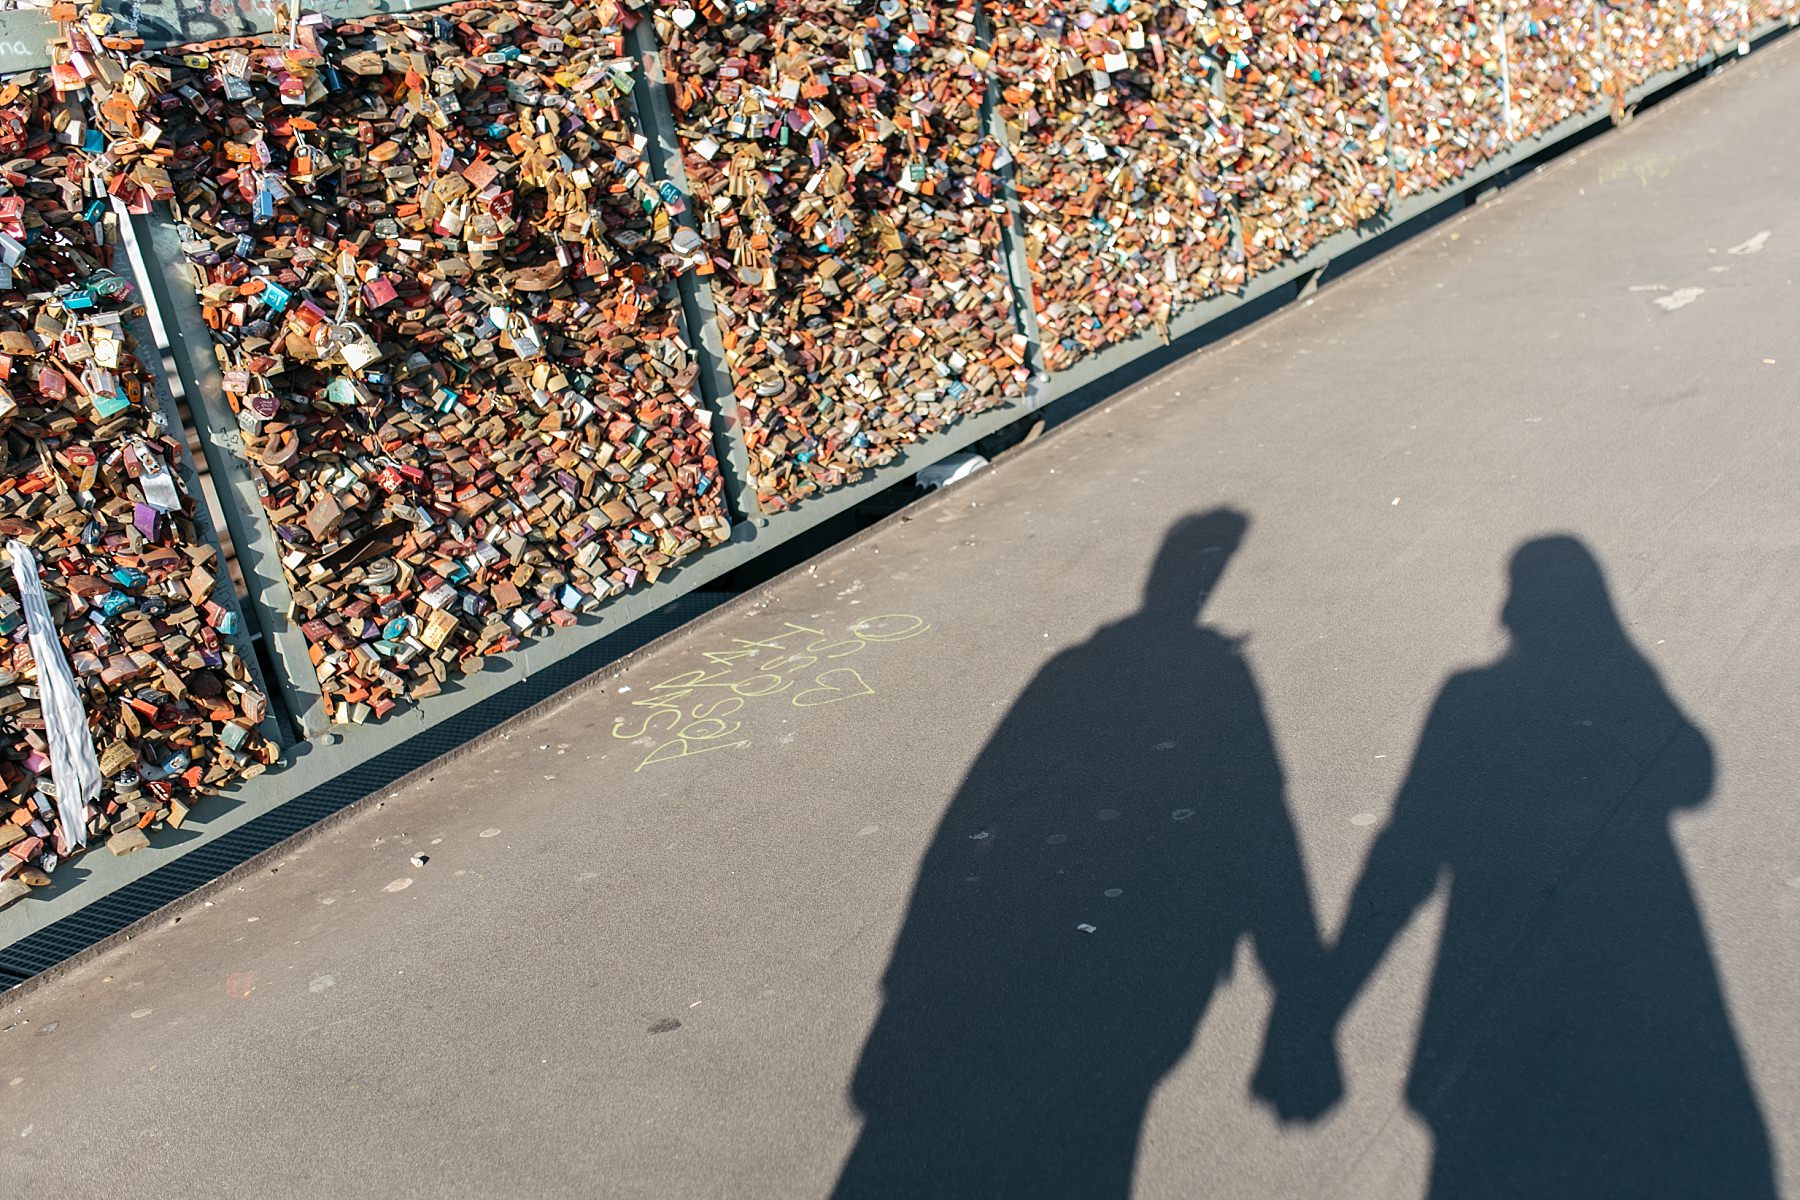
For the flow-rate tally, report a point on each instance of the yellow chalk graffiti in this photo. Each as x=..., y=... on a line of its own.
x=692, y=711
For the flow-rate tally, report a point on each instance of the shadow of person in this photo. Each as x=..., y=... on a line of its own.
x=1088, y=885
x=1574, y=1042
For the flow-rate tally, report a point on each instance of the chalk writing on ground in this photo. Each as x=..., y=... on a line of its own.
x=703, y=710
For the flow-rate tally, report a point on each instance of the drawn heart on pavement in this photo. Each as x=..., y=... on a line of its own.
x=828, y=692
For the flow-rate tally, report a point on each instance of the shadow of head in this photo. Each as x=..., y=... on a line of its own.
x=1558, y=600
x=1193, y=557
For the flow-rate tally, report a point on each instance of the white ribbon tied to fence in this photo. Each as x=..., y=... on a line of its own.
x=73, y=766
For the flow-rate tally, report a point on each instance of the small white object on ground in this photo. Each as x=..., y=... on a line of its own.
x=1679, y=298
x=949, y=470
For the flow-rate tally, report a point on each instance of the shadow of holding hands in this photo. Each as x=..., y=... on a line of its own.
x=1575, y=1041
x=1127, y=826
x=1122, y=831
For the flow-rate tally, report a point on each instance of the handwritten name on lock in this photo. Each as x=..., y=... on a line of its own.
x=699, y=711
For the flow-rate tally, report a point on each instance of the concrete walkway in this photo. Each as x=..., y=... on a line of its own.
x=965, y=862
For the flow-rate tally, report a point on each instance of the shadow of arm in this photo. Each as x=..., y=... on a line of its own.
x=1404, y=864
x=1298, y=1074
